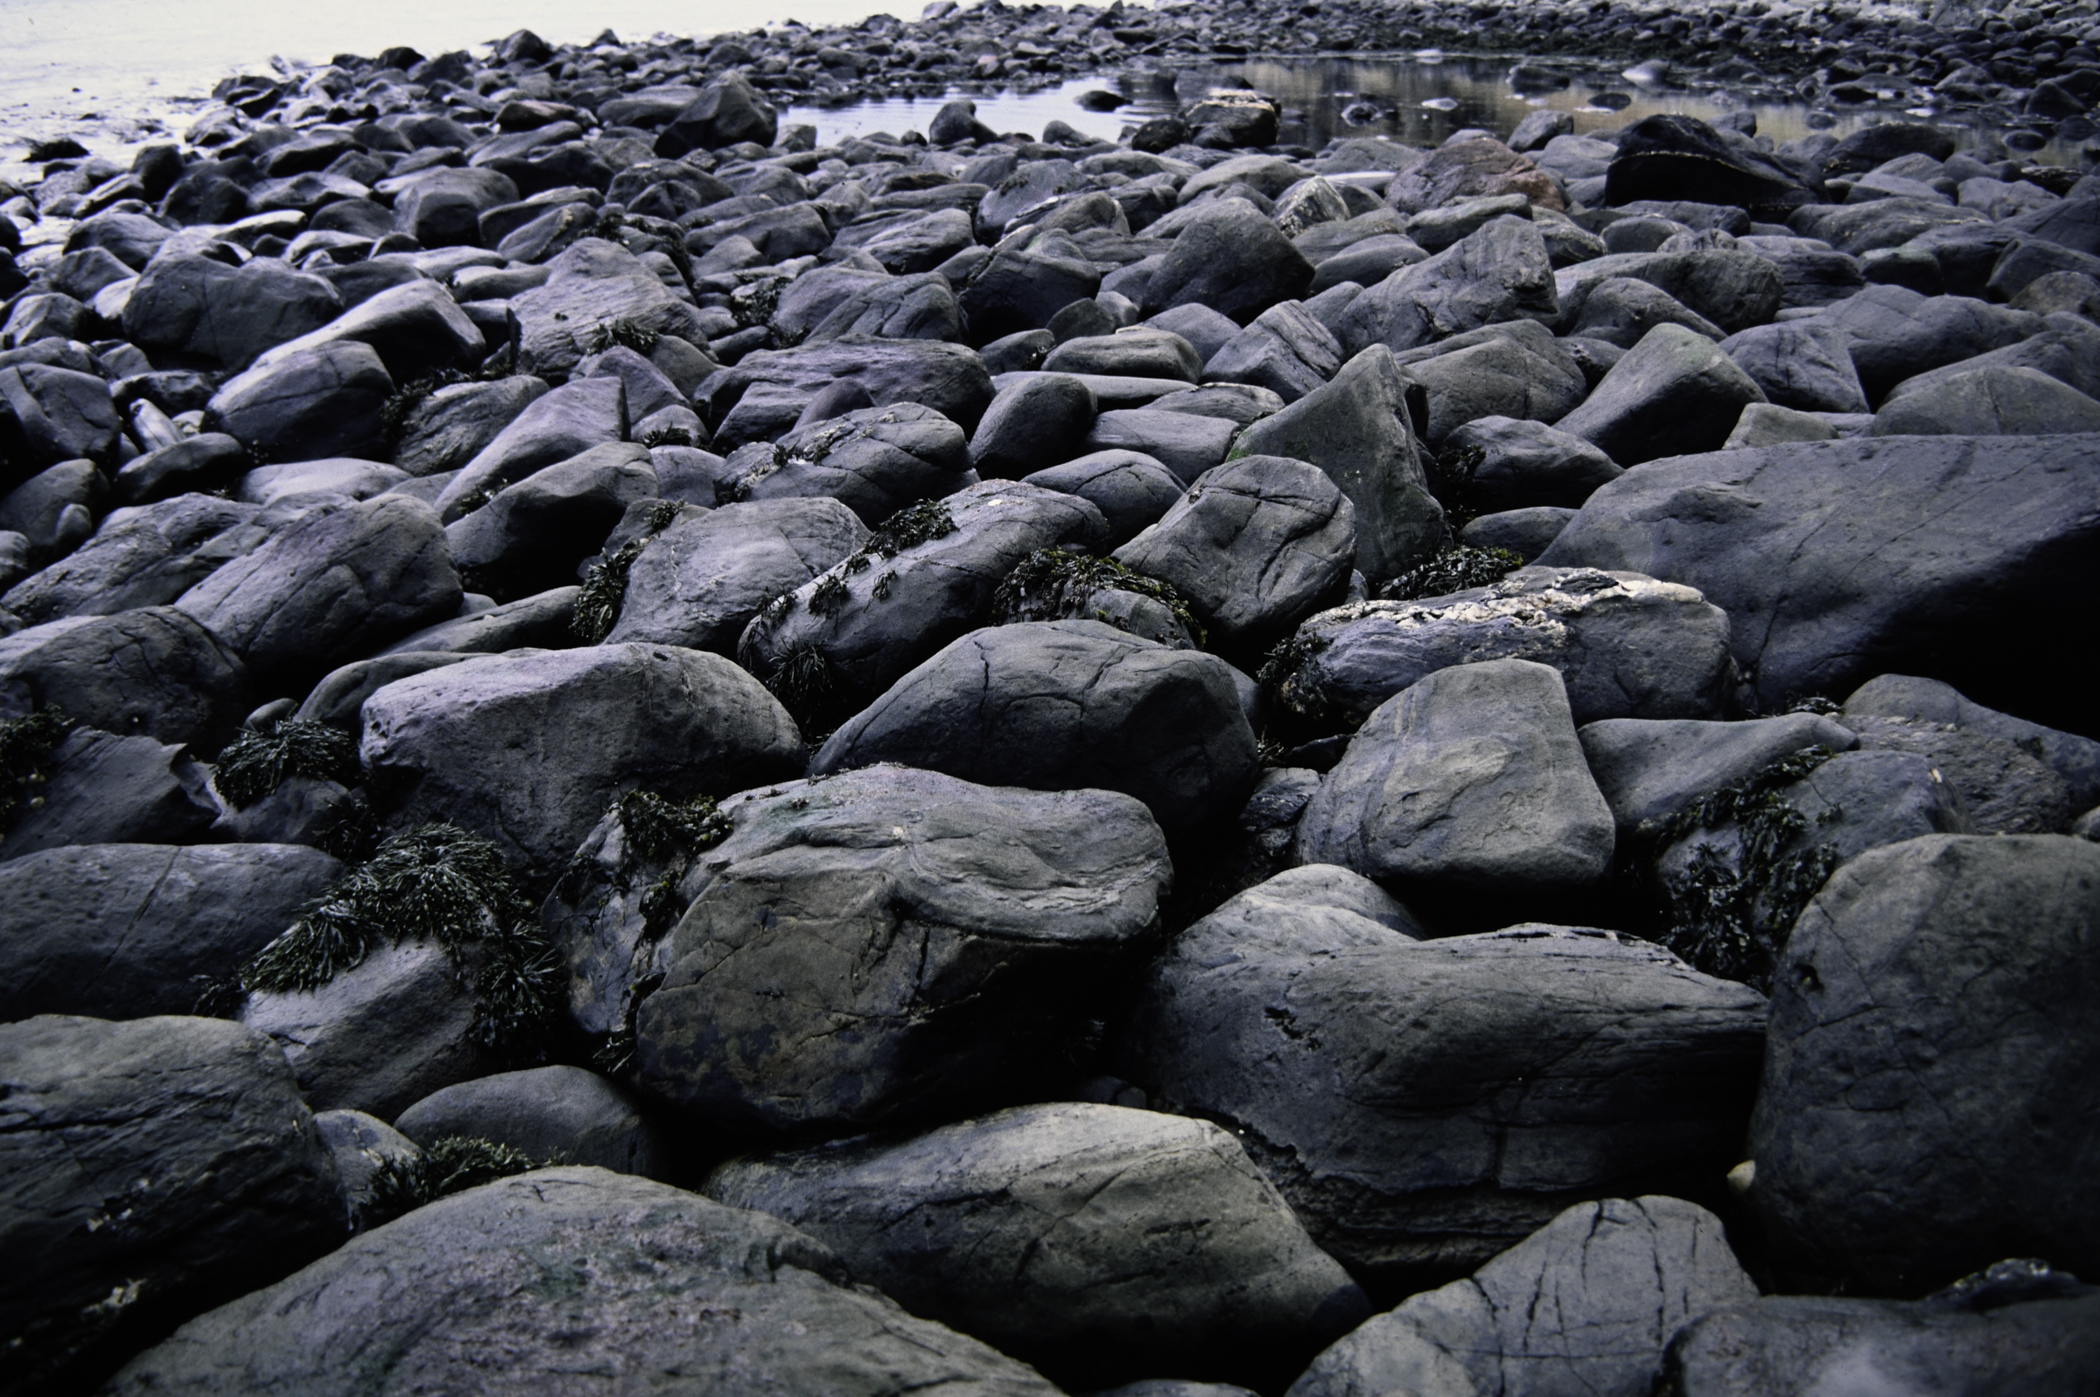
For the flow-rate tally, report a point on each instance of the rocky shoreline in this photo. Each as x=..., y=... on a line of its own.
x=635, y=752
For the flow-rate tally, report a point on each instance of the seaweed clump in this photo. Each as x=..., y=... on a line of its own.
x=1732, y=910
x=1055, y=584
x=438, y=884
x=402, y=403
x=668, y=436
x=256, y=763
x=1450, y=474
x=26, y=745
x=452, y=1164
x=629, y=334
x=1454, y=569
x=604, y=589
x=1302, y=706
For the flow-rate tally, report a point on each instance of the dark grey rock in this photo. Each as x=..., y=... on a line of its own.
x=1993, y=402
x=900, y=610
x=875, y=461
x=1626, y=645
x=1675, y=392
x=1894, y=332
x=339, y=698
x=2068, y=350
x=560, y=1113
x=636, y=1260
x=592, y=285
x=1804, y=364
x=1928, y=701
x=1034, y=423
x=451, y=427
x=1420, y=1102
x=1586, y=1304
x=1513, y=370
x=201, y=309
x=1897, y=578
x=206, y=462
x=543, y=621
x=1283, y=349
x=552, y=428
x=1890, y=1006
x=960, y=997
x=1186, y=443
x=1471, y=777
x=1620, y=310
x=1524, y=532
x=1029, y=277
x=2044, y=1345
x=1255, y=545
x=533, y=534
x=330, y=586
x=699, y=582
x=1501, y=272
x=1357, y=430
x=50, y=414
x=123, y=931
x=1131, y=489
x=1142, y=351
x=1231, y=259
x=153, y=1169
x=763, y=395
x=1093, y=1240
x=105, y=789
x=1065, y=705
x=1527, y=464
x=153, y=671
x=415, y=328
x=529, y=748
x=361, y=1146
x=317, y=402
x=1649, y=769
x=382, y=1034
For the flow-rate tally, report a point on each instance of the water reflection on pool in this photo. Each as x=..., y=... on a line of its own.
x=1419, y=101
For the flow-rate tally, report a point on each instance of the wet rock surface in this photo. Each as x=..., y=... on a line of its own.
x=1163, y=742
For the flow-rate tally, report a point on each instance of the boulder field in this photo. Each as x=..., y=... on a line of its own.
x=640, y=753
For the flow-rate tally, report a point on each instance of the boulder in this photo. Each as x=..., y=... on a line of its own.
x=2037, y=1337
x=1357, y=429
x=382, y=1034
x=1891, y=1003
x=50, y=414
x=1139, y=352
x=1650, y=769
x=1469, y=779
x=562, y=1113
x=362, y=1146
x=200, y=309
x=728, y=111
x=124, y=931
x=699, y=582
x=153, y=1169
x=415, y=328
x=1626, y=645
x=1425, y=1105
x=1131, y=489
x=875, y=461
x=1064, y=705
x=317, y=402
x=1681, y=157
x=1620, y=310
x=1095, y=1241
x=1033, y=423
x=451, y=427
x=1993, y=402
x=1930, y=703
x=143, y=557
x=762, y=396
x=1256, y=546
x=529, y=748
x=923, y=588
x=1468, y=170
x=209, y=461
x=1513, y=370
x=552, y=428
x=340, y=696
x=1501, y=272
x=1029, y=277
x=919, y=306
x=442, y=207
x=1527, y=464
x=1524, y=532
x=1896, y=579
x=103, y=789
x=1894, y=332
x=330, y=586
x=153, y=671
x=1802, y=364
x=1587, y=1303
x=1283, y=349
x=1231, y=259
x=1188, y=444
x=618, y=1273
x=592, y=287
x=944, y=937
x=532, y=535
x=1674, y=393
